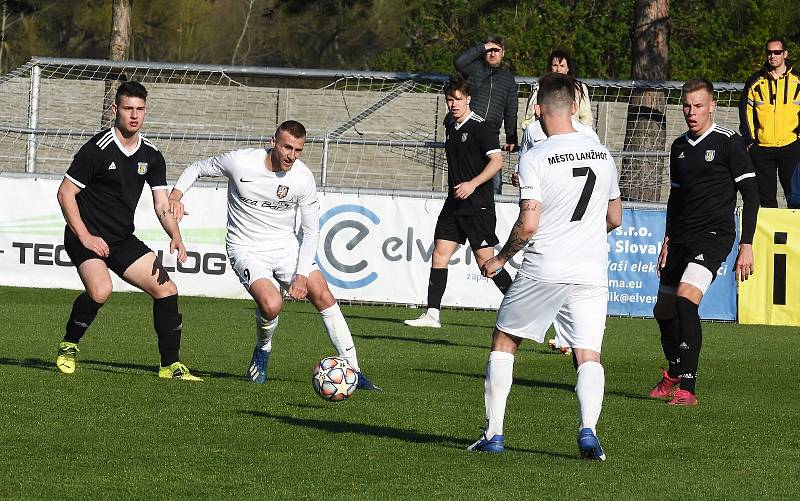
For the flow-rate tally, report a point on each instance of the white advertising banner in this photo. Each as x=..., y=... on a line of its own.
x=372, y=248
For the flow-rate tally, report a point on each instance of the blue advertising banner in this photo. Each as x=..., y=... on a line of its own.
x=632, y=279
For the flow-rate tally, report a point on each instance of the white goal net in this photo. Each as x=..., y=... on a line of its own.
x=367, y=130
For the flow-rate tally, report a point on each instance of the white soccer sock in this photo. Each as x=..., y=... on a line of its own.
x=433, y=313
x=589, y=389
x=264, y=331
x=499, y=375
x=340, y=335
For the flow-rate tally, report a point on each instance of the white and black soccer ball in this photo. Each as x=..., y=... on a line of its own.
x=333, y=379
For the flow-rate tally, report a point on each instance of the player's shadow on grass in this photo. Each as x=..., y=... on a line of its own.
x=120, y=367
x=531, y=383
x=396, y=321
x=431, y=341
x=30, y=363
x=387, y=432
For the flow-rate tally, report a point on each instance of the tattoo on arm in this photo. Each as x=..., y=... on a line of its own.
x=516, y=241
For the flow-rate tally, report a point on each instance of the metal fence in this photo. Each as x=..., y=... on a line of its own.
x=367, y=130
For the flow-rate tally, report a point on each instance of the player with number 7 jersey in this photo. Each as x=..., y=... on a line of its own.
x=574, y=178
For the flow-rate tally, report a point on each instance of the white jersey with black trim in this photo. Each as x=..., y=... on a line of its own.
x=574, y=178
x=262, y=204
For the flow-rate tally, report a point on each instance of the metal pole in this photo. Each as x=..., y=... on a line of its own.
x=325, y=145
x=33, y=118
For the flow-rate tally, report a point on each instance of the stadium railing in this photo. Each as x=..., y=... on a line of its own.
x=369, y=132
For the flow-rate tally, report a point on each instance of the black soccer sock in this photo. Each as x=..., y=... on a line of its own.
x=167, y=323
x=502, y=280
x=670, y=342
x=436, y=286
x=84, y=310
x=692, y=336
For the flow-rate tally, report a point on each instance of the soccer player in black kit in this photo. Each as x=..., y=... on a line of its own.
x=98, y=198
x=473, y=158
x=708, y=164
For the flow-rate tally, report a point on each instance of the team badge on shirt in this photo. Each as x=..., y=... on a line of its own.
x=282, y=191
x=710, y=155
x=142, y=170
x=464, y=137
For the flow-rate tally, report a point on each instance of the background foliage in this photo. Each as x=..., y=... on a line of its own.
x=719, y=39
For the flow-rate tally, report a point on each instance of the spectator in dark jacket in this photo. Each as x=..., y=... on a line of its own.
x=494, y=90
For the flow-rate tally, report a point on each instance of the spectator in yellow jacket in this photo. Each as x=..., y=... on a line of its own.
x=769, y=120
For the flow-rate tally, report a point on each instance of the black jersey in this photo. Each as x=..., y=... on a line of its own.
x=111, y=181
x=703, y=176
x=468, y=146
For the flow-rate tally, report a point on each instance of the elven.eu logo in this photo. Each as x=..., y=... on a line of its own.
x=339, y=277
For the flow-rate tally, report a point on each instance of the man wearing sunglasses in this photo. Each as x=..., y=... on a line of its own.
x=494, y=90
x=769, y=120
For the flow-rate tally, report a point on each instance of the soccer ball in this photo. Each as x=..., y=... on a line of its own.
x=333, y=379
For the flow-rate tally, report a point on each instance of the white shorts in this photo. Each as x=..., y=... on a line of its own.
x=578, y=312
x=278, y=266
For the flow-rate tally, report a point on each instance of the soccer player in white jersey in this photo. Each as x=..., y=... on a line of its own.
x=266, y=187
x=569, y=201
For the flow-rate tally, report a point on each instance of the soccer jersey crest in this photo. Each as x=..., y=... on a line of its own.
x=142, y=170
x=282, y=191
x=710, y=155
x=464, y=136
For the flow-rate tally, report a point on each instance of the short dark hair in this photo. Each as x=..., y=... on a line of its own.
x=694, y=84
x=293, y=128
x=556, y=89
x=775, y=39
x=457, y=83
x=562, y=54
x=495, y=39
x=130, y=89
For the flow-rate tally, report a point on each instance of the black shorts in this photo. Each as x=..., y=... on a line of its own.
x=709, y=252
x=479, y=230
x=120, y=256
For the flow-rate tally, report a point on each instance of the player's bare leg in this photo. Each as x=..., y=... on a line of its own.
x=335, y=324
x=443, y=250
x=269, y=302
x=97, y=282
x=149, y=275
x=501, y=279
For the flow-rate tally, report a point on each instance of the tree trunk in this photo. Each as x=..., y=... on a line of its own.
x=640, y=178
x=2, y=34
x=118, y=51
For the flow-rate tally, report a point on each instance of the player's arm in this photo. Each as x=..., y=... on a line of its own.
x=309, y=227
x=215, y=166
x=614, y=214
x=523, y=230
x=530, y=113
x=493, y=165
x=161, y=205
x=745, y=178
x=67, y=193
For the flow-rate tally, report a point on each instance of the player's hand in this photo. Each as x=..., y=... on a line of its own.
x=95, y=244
x=509, y=147
x=492, y=267
x=176, y=244
x=515, y=180
x=662, y=258
x=463, y=190
x=744, y=262
x=299, y=287
x=177, y=210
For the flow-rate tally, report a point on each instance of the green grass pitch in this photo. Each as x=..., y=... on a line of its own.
x=115, y=430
